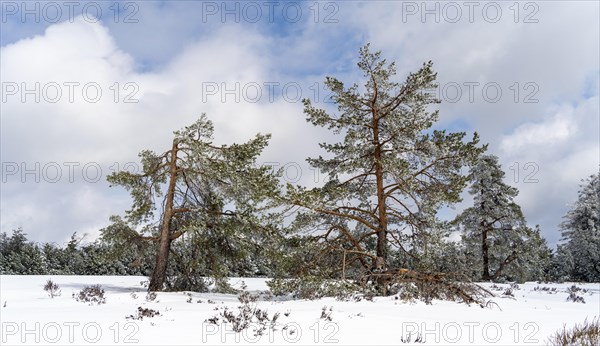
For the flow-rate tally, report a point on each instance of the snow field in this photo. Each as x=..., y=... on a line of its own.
x=28, y=316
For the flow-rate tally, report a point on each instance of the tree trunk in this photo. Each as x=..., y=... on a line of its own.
x=383, y=222
x=162, y=257
x=485, y=254
x=159, y=274
x=380, y=263
x=513, y=256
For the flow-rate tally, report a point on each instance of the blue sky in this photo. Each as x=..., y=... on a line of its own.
x=524, y=76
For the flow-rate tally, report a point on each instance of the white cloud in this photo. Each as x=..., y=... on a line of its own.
x=552, y=132
x=558, y=132
x=109, y=133
x=558, y=152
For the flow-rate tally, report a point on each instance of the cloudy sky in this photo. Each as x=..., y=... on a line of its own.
x=87, y=85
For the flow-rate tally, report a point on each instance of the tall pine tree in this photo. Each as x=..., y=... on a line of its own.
x=389, y=173
x=494, y=231
x=581, y=232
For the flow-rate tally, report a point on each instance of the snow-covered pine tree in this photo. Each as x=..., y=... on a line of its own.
x=206, y=193
x=388, y=175
x=581, y=233
x=494, y=232
x=562, y=264
x=20, y=256
x=534, y=261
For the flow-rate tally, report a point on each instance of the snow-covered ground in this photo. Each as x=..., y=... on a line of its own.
x=29, y=316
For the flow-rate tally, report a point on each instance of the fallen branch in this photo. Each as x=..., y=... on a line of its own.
x=429, y=285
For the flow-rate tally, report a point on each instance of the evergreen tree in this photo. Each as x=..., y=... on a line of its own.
x=63, y=261
x=534, y=262
x=388, y=175
x=562, y=265
x=581, y=231
x=494, y=232
x=199, y=188
x=20, y=256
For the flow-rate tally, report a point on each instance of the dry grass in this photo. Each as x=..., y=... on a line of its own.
x=584, y=334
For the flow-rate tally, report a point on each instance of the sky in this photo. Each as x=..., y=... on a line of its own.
x=87, y=85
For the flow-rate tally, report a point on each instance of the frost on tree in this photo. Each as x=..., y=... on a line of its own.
x=581, y=233
x=206, y=196
x=497, y=242
x=387, y=176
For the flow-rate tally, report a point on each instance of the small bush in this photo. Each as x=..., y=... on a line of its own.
x=326, y=313
x=52, y=289
x=246, y=297
x=585, y=334
x=151, y=296
x=248, y=316
x=91, y=294
x=573, y=296
x=408, y=339
x=545, y=289
x=143, y=312
x=495, y=287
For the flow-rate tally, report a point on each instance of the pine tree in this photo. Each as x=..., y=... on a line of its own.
x=494, y=230
x=562, y=265
x=534, y=262
x=388, y=175
x=209, y=189
x=20, y=256
x=581, y=231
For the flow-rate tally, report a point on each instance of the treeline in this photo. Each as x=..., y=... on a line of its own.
x=205, y=210
x=20, y=256
x=218, y=255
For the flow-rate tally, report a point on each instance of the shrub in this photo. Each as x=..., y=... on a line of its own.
x=587, y=333
x=52, y=289
x=246, y=297
x=408, y=339
x=548, y=290
x=91, y=294
x=573, y=296
x=495, y=287
x=248, y=316
x=143, y=312
x=151, y=296
x=326, y=313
